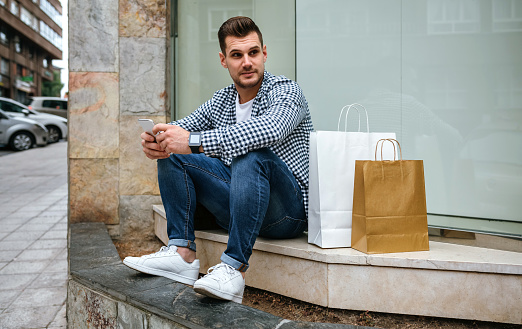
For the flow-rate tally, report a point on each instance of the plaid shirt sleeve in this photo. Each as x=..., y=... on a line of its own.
x=199, y=120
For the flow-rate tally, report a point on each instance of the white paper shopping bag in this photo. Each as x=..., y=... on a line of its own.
x=332, y=168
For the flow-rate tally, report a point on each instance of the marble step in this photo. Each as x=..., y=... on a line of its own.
x=450, y=280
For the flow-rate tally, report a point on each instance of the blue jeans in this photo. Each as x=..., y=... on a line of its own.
x=256, y=196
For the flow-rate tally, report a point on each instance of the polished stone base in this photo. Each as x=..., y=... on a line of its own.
x=450, y=281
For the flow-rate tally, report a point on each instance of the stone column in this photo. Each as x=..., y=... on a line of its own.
x=117, y=74
x=143, y=94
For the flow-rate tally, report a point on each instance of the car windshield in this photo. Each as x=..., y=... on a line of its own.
x=57, y=104
x=10, y=107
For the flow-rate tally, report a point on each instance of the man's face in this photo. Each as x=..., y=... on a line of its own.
x=245, y=60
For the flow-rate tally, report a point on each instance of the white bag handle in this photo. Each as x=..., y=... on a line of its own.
x=355, y=106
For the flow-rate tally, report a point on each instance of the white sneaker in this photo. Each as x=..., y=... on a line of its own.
x=167, y=263
x=222, y=282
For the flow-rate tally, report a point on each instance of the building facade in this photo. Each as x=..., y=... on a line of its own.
x=30, y=39
x=444, y=75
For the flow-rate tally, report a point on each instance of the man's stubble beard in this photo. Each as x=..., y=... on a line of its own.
x=249, y=85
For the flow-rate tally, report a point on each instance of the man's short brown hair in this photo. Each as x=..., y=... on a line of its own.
x=239, y=26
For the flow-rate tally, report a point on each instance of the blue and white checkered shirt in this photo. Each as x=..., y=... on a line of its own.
x=280, y=121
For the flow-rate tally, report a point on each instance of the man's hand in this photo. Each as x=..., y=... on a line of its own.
x=172, y=139
x=151, y=149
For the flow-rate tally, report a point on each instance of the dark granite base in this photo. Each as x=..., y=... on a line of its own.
x=140, y=300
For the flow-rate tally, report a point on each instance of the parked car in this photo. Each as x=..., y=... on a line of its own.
x=20, y=133
x=51, y=105
x=56, y=125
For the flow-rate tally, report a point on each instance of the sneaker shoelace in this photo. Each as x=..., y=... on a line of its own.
x=215, y=271
x=163, y=250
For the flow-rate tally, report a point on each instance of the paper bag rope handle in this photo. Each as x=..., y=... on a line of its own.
x=393, y=141
x=355, y=106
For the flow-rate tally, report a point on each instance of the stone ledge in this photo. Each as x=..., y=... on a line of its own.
x=104, y=292
x=450, y=281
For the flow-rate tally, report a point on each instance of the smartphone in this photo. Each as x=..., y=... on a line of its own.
x=147, y=125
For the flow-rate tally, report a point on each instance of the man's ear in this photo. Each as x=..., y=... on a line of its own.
x=223, y=60
x=264, y=54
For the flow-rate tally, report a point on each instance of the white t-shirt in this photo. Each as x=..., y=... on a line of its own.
x=243, y=111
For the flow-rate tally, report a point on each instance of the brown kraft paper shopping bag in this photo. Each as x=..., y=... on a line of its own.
x=389, y=205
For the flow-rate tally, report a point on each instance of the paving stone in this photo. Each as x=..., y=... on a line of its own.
x=8, y=208
x=16, y=210
x=50, y=279
x=23, y=237
x=21, y=200
x=54, y=213
x=35, y=297
x=26, y=214
x=55, y=234
x=11, y=245
x=60, y=226
x=60, y=320
x=62, y=254
x=35, y=208
x=58, y=207
x=16, y=281
x=8, y=211
x=29, y=317
x=47, y=219
x=57, y=266
x=49, y=244
x=17, y=267
x=8, y=228
x=36, y=227
x=15, y=221
x=38, y=254
x=7, y=297
x=8, y=255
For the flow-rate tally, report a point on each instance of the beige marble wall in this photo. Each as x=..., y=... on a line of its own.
x=93, y=190
x=93, y=115
x=118, y=56
x=144, y=18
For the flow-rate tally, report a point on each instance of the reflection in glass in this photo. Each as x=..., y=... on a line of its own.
x=444, y=75
x=199, y=72
x=507, y=15
x=453, y=16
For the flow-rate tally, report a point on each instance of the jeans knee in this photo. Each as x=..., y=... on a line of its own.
x=253, y=157
x=166, y=166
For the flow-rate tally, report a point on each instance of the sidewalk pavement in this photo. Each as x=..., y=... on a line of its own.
x=33, y=237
